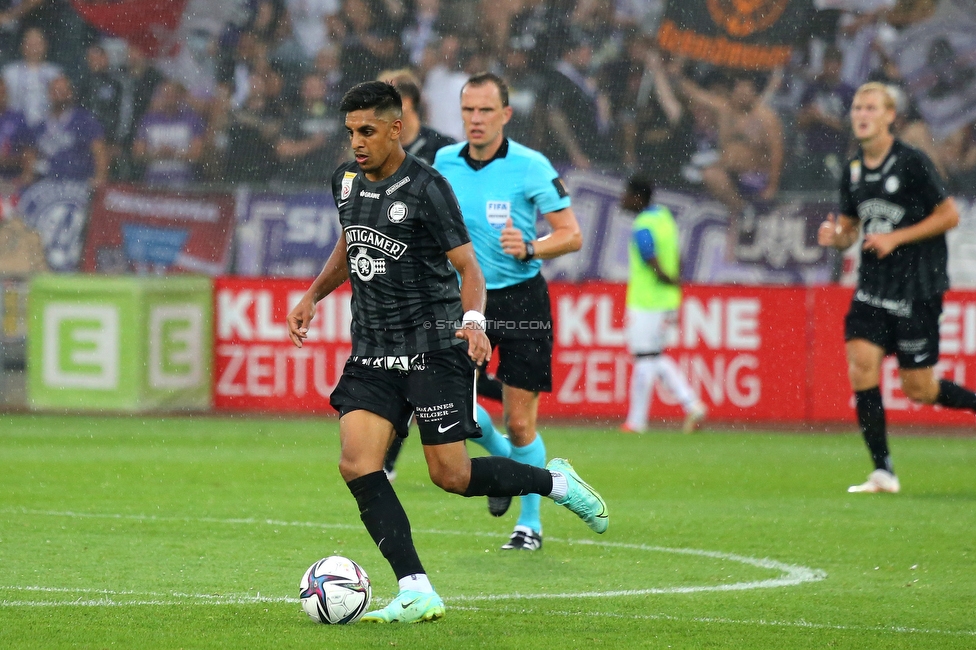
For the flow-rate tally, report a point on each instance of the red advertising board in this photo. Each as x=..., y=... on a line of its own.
x=256, y=366
x=742, y=350
x=753, y=354
x=829, y=388
x=133, y=228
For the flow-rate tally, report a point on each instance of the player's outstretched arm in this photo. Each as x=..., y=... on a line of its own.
x=944, y=218
x=473, y=298
x=838, y=232
x=333, y=274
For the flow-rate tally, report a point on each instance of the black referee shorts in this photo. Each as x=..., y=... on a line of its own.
x=520, y=328
x=913, y=339
x=439, y=389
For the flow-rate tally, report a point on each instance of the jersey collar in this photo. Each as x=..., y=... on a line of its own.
x=481, y=164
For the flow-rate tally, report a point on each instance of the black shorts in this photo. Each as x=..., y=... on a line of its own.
x=913, y=339
x=438, y=388
x=520, y=328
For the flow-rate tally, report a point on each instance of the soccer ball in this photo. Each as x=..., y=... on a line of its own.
x=335, y=590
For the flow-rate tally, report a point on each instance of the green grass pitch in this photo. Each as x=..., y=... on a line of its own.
x=132, y=532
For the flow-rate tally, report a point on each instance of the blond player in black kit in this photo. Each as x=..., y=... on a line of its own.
x=894, y=192
x=416, y=337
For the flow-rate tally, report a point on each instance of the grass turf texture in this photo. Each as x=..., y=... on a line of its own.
x=194, y=533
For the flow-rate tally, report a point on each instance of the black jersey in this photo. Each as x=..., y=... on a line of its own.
x=902, y=191
x=397, y=233
x=427, y=143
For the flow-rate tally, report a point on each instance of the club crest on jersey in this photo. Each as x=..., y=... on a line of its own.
x=892, y=184
x=498, y=212
x=365, y=267
x=347, y=180
x=397, y=212
x=855, y=171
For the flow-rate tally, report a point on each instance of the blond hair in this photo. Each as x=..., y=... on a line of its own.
x=888, y=97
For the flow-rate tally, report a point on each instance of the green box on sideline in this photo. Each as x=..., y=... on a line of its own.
x=119, y=343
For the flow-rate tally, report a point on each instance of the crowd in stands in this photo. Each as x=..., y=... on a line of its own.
x=589, y=88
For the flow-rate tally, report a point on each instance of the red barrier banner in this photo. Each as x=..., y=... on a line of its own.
x=257, y=368
x=753, y=354
x=144, y=230
x=742, y=349
x=830, y=392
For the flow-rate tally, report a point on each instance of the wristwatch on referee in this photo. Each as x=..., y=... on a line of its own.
x=529, y=251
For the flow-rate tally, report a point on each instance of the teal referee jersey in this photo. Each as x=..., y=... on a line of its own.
x=519, y=183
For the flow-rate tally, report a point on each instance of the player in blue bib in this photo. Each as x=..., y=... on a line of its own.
x=502, y=187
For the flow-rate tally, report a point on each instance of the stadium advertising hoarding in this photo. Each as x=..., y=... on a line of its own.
x=742, y=350
x=754, y=354
x=256, y=366
x=119, y=344
x=284, y=234
x=776, y=246
x=136, y=229
x=830, y=398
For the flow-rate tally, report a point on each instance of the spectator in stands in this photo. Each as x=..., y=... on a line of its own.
x=17, y=153
x=252, y=133
x=823, y=126
x=958, y=152
x=12, y=13
x=442, y=87
x=138, y=80
x=750, y=141
x=309, y=24
x=70, y=142
x=326, y=65
x=415, y=137
x=421, y=29
x=579, y=112
x=101, y=92
x=170, y=138
x=28, y=78
x=369, y=41
x=313, y=138
x=526, y=97
x=249, y=58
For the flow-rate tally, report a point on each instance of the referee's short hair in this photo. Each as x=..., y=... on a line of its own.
x=483, y=78
x=641, y=186
x=377, y=95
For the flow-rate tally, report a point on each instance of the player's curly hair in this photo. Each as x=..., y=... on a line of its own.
x=377, y=95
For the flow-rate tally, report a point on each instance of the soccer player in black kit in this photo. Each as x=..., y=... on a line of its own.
x=416, y=337
x=898, y=196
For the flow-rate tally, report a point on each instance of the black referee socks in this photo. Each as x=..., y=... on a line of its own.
x=871, y=417
x=955, y=396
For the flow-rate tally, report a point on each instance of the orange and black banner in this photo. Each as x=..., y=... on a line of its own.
x=745, y=34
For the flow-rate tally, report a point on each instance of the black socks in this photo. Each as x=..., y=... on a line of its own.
x=955, y=396
x=496, y=476
x=871, y=417
x=387, y=523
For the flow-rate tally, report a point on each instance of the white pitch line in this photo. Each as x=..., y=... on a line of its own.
x=733, y=621
x=791, y=574
x=151, y=598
